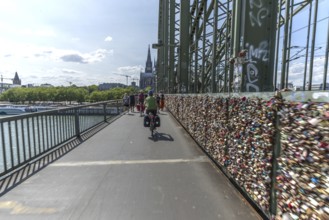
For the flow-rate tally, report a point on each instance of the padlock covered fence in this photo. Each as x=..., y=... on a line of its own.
x=273, y=147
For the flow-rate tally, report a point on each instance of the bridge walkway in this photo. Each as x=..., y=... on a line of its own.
x=121, y=173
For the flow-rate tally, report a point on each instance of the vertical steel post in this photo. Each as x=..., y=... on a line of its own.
x=77, y=123
x=171, y=47
x=11, y=144
x=17, y=143
x=196, y=49
x=243, y=44
x=184, y=46
x=289, y=40
x=4, y=153
x=236, y=37
x=165, y=45
x=277, y=45
x=117, y=103
x=284, y=48
x=104, y=111
x=313, y=45
x=160, y=63
x=276, y=152
x=325, y=71
x=214, y=47
x=23, y=138
x=228, y=29
x=204, y=35
x=232, y=51
x=29, y=136
x=307, y=44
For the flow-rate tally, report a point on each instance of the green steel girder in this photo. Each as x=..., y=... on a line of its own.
x=301, y=6
x=214, y=40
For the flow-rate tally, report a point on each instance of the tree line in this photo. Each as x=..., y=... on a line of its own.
x=68, y=94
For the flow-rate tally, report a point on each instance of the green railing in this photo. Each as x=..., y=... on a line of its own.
x=273, y=147
x=26, y=137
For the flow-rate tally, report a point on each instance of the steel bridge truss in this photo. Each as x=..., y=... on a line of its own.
x=212, y=46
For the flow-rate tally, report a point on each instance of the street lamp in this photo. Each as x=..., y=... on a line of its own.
x=157, y=46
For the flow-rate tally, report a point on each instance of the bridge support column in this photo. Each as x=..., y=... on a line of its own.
x=183, y=54
x=255, y=45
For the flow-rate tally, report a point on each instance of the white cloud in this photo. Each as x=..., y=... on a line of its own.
x=70, y=71
x=297, y=69
x=108, y=38
x=30, y=51
x=48, y=41
x=92, y=57
x=130, y=69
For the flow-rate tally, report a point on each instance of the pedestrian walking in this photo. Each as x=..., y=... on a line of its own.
x=132, y=102
x=125, y=101
x=158, y=102
x=162, y=101
x=141, y=98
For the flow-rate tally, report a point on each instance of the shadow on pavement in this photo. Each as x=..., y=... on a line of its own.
x=161, y=137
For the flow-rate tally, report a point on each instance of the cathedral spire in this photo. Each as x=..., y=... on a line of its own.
x=16, y=80
x=149, y=66
x=149, y=54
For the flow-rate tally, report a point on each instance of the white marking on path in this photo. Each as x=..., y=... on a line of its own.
x=18, y=208
x=123, y=162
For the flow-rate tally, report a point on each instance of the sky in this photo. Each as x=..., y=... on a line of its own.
x=86, y=42
x=299, y=40
x=81, y=42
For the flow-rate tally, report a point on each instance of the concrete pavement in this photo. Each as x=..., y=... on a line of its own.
x=121, y=173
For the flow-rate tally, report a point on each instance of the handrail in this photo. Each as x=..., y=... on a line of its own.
x=26, y=137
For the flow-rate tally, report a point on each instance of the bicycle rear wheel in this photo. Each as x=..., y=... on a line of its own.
x=152, y=129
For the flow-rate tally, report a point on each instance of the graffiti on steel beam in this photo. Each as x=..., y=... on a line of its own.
x=255, y=55
x=260, y=53
x=258, y=12
x=252, y=77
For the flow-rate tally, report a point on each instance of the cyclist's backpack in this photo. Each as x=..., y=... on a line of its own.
x=157, y=121
x=146, y=121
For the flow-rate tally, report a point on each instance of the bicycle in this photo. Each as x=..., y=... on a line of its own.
x=152, y=124
x=152, y=121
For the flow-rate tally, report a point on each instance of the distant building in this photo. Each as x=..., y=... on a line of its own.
x=107, y=86
x=16, y=80
x=46, y=85
x=147, y=78
x=16, y=83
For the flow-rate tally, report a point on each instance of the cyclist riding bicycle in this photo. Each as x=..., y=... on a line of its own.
x=150, y=104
